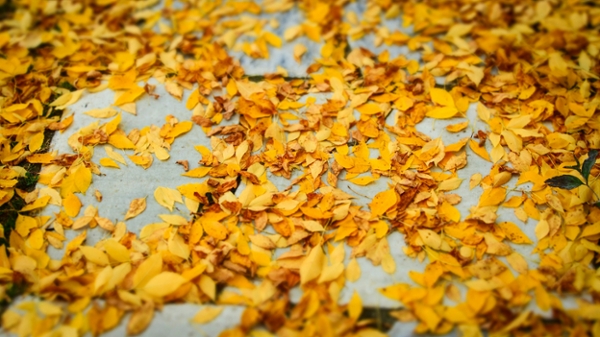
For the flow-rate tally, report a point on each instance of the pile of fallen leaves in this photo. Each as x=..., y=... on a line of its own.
x=530, y=67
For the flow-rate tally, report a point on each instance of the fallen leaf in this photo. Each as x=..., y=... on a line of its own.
x=136, y=207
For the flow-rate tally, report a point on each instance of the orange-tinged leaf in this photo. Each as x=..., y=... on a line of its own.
x=369, y=109
x=458, y=127
x=207, y=314
x=215, y=229
x=383, y=201
x=136, y=207
x=72, y=205
x=479, y=150
x=231, y=88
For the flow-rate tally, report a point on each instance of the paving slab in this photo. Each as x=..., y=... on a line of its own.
x=120, y=186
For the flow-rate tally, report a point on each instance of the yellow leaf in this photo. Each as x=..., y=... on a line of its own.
x=272, y=39
x=174, y=89
x=102, y=279
x=112, y=125
x=180, y=129
x=107, y=162
x=36, y=141
x=353, y=270
x=40, y=202
x=383, y=201
x=94, y=255
x=208, y=286
x=369, y=109
x=344, y=161
x=312, y=266
x=479, y=150
x=517, y=261
x=173, y=219
x=72, y=205
x=167, y=197
x=136, y=207
x=151, y=267
x=207, y=314
x=492, y=196
x=449, y=212
x=49, y=309
x=140, y=319
x=355, y=306
x=178, y=247
x=114, y=155
x=120, y=141
x=475, y=180
x=231, y=88
x=514, y=233
x=444, y=112
x=198, y=172
x=542, y=229
x=388, y=263
x=427, y=315
x=441, y=97
x=116, y=251
x=363, y=181
x=164, y=284
x=449, y=184
x=102, y=113
x=312, y=226
x=129, y=96
x=193, y=100
x=83, y=178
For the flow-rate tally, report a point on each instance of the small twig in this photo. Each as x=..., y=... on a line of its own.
x=364, y=196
